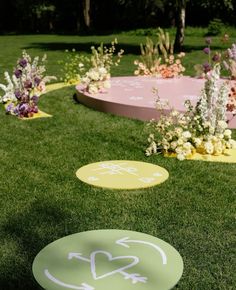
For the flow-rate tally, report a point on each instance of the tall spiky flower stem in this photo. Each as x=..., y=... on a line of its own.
x=213, y=100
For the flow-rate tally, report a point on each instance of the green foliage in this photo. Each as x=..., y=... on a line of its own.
x=149, y=53
x=41, y=9
x=143, y=32
x=165, y=45
x=215, y=27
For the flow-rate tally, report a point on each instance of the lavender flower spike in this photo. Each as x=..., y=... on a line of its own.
x=23, y=62
x=18, y=73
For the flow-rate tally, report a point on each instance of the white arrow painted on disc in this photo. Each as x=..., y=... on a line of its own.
x=123, y=242
x=83, y=286
x=135, y=277
x=78, y=256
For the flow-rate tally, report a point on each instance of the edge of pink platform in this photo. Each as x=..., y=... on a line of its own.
x=120, y=107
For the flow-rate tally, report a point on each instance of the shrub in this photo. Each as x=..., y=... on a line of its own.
x=215, y=27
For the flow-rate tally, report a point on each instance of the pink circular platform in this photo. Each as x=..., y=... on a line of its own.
x=133, y=97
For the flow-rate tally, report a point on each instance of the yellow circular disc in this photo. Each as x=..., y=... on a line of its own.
x=122, y=174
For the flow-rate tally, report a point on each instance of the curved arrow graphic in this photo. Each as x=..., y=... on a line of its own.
x=83, y=286
x=123, y=242
x=78, y=256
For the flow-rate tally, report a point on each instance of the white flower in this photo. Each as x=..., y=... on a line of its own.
x=227, y=133
x=178, y=131
x=180, y=141
x=3, y=87
x=181, y=156
x=232, y=143
x=197, y=142
x=188, y=153
x=165, y=145
x=179, y=149
x=228, y=144
x=206, y=124
x=213, y=139
x=93, y=89
x=186, y=134
x=211, y=130
x=218, y=148
x=222, y=124
x=93, y=75
x=106, y=84
x=174, y=113
x=41, y=87
x=151, y=149
x=150, y=138
x=154, y=147
x=173, y=145
x=208, y=146
x=220, y=136
x=102, y=71
x=187, y=146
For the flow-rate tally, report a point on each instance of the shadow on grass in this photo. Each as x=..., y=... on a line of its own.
x=81, y=47
x=191, y=48
x=30, y=230
x=86, y=47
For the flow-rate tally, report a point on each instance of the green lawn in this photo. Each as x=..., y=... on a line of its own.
x=42, y=200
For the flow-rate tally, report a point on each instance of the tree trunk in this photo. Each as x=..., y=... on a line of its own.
x=180, y=23
x=86, y=11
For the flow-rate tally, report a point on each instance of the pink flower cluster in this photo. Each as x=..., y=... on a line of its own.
x=170, y=69
x=231, y=106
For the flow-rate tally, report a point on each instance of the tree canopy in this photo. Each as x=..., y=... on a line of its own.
x=74, y=16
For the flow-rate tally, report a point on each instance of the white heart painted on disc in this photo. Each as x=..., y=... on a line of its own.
x=110, y=259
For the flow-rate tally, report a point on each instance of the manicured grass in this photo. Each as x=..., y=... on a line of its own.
x=42, y=200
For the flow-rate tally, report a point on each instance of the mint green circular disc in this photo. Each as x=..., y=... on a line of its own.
x=108, y=259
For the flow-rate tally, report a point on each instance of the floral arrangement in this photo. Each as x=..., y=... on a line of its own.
x=73, y=66
x=24, y=88
x=230, y=62
x=97, y=78
x=226, y=58
x=201, y=129
x=158, y=59
x=231, y=105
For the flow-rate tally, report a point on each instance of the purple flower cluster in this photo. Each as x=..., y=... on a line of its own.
x=206, y=67
x=207, y=50
x=29, y=79
x=18, y=73
x=23, y=62
x=25, y=110
x=23, y=90
x=26, y=106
